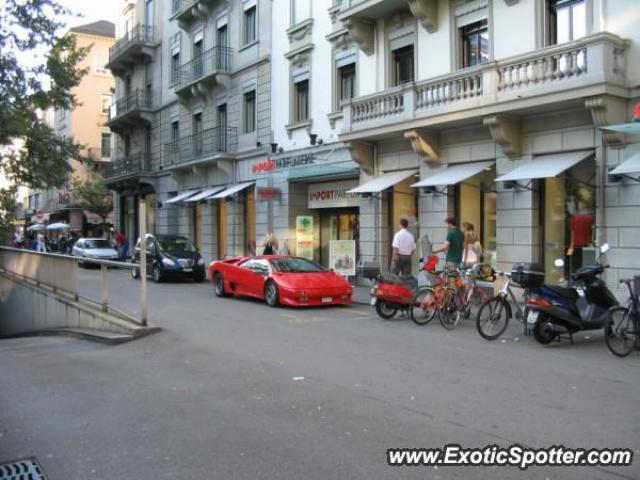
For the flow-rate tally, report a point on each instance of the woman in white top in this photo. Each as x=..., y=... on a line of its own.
x=470, y=255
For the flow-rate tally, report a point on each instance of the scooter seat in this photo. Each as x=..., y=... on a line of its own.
x=408, y=281
x=569, y=293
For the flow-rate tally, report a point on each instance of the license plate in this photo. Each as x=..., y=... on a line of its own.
x=373, y=301
x=532, y=317
x=327, y=299
x=187, y=270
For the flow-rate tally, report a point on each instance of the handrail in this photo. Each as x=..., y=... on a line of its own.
x=60, y=273
x=201, y=145
x=129, y=165
x=137, y=99
x=141, y=33
x=216, y=59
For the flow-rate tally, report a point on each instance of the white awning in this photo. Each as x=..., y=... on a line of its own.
x=182, y=196
x=632, y=128
x=205, y=194
x=383, y=182
x=630, y=165
x=545, y=166
x=231, y=190
x=454, y=174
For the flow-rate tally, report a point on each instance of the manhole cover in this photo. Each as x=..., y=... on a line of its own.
x=27, y=469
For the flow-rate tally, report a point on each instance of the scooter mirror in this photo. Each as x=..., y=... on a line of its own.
x=559, y=262
x=605, y=248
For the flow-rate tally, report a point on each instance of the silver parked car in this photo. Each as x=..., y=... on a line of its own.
x=98, y=248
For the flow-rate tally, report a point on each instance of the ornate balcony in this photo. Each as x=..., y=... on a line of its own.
x=564, y=73
x=126, y=169
x=187, y=11
x=130, y=111
x=208, y=146
x=196, y=76
x=129, y=50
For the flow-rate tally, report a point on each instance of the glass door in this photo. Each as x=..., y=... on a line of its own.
x=343, y=224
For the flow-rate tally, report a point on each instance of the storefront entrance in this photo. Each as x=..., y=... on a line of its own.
x=222, y=228
x=197, y=225
x=338, y=224
x=404, y=204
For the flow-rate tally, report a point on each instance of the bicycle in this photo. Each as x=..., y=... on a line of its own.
x=493, y=316
x=622, y=326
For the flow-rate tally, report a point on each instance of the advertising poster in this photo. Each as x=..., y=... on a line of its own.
x=304, y=236
x=342, y=257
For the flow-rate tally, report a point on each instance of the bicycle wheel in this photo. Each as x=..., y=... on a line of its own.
x=423, y=308
x=449, y=313
x=493, y=318
x=620, y=331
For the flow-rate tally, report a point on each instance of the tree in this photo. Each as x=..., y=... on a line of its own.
x=38, y=71
x=91, y=194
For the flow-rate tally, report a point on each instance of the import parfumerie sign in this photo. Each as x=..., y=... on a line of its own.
x=332, y=194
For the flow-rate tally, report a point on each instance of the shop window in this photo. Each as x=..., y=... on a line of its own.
x=567, y=20
x=346, y=82
x=249, y=120
x=568, y=221
x=403, y=68
x=249, y=26
x=475, y=43
x=301, y=101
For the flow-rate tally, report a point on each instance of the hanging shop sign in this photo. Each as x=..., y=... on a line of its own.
x=332, y=194
x=282, y=163
x=342, y=257
x=268, y=194
x=304, y=236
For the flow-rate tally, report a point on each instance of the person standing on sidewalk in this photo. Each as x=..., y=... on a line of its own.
x=403, y=248
x=453, y=245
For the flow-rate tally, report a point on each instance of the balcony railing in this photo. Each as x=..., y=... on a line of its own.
x=588, y=62
x=129, y=166
x=137, y=100
x=213, y=61
x=178, y=6
x=140, y=34
x=201, y=146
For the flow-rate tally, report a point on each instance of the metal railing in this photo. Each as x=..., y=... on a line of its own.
x=214, y=60
x=139, y=34
x=201, y=145
x=138, y=99
x=178, y=6
x=59, y=273
x=133, y=164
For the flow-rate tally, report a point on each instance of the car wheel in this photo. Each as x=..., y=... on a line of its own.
x=135, y=273
x=271, y=294
x=157, y=274
x=218, y=285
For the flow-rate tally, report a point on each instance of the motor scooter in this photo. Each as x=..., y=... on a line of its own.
x=556, y=310
x=393, y=293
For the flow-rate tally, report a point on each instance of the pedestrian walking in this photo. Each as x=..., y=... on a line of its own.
x=453, y=245
x=472, y=245
x=403, y=248
x=41, y=245
x=122, y=246
x=270, y=245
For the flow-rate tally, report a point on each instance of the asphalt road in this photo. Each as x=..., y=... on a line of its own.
x=232, y=389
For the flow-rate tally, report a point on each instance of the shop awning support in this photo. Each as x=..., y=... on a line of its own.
x=514, y=185
x=433, y=190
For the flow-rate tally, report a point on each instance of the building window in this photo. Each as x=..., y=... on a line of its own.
x=197, y=133
x=301, y=10
x=475, y=43
x=105, y=145
x=148, y=13
x=249, y=25
x=346, y=82
x=403, y=65
x=175, y=136
x=567, y=20
x=175, y=67
x=100, y=61
x=249, y=121
x=105, y=103
x=301, y=101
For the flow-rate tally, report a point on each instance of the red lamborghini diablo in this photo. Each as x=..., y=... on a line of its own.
x=292, y=281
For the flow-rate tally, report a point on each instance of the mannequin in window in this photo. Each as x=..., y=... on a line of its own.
x=581, y=226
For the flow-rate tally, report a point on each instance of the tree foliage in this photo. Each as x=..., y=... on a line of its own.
x=38, y=71
x=91, y=194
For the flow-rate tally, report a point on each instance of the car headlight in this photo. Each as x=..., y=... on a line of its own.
x=167, y=262
x=201, y=261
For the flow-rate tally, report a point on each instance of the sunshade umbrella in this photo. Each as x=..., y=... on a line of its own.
x=38, y=227
x=58, y=226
